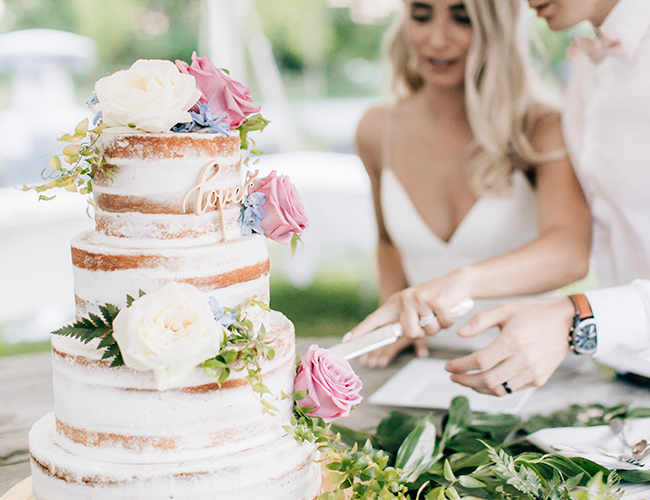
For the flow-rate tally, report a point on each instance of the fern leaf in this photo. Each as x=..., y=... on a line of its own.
x=109, y=313
x=107, y=341
x=82, y=330
x=97, y=321
x=118, y=361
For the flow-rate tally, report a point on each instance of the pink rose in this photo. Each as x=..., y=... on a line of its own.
x=331, y=384
x=284, y=213
x=223, y=95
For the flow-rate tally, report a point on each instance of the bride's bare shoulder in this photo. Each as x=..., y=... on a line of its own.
x=369, y=135
x=377, y=120
x=369, y=128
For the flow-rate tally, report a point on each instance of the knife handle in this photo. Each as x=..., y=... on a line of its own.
x=380, y=337
x=462, y=308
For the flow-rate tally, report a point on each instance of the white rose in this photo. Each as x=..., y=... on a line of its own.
x=170, y=332
x=152, y=95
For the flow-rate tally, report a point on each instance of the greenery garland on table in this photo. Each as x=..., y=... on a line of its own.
x=477, y=455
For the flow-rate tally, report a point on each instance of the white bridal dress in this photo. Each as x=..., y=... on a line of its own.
x=493, y=226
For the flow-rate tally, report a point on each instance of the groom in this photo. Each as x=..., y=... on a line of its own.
x=606, y=125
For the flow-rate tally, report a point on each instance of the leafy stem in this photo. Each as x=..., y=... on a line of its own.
x=244, y=349
x=82, y=157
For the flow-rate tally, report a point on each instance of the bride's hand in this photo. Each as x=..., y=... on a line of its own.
x=421, y=310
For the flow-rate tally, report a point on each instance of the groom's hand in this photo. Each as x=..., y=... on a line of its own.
x=532, y=344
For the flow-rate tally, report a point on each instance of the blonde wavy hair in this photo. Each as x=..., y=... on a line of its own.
x=501, y=98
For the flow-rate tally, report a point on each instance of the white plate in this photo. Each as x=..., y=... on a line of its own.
x=589, y=439
x=424, y=383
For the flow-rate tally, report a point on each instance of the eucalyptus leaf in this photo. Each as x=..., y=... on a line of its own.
x=449, y=474
x=470, y=482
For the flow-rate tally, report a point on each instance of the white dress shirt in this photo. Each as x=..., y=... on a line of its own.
x=606, y=126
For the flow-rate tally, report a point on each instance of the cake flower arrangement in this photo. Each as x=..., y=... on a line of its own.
x=156, y=96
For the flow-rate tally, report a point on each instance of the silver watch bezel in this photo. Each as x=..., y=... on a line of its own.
x=574, y=332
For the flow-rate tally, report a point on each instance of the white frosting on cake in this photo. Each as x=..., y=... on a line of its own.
x=112, y=434
x=282, y=470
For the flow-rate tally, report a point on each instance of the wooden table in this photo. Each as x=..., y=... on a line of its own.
x=26, y=395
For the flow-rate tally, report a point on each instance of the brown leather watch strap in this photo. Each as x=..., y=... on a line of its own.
x=581, y=304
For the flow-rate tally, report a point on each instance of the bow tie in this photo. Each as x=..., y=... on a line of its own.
x=599, y=47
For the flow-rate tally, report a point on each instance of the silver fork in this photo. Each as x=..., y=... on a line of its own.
x=621, y=458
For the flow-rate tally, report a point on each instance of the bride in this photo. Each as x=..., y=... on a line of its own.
x=474, y=195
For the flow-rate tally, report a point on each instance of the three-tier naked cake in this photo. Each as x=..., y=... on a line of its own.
x=168, y=209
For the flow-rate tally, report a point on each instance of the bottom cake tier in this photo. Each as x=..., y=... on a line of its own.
x=279, y=470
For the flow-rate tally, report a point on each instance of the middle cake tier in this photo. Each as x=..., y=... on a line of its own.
x=117, y=414
x=106, y=270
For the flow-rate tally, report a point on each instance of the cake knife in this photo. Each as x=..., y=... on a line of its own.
x=386, y=335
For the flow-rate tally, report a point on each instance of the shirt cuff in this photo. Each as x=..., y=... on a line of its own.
x=621, y=315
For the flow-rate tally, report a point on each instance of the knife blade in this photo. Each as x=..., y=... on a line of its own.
x=386, y=335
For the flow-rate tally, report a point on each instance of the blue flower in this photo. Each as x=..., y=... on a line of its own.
x=225, y=317
x=203, y=119
x=252, y=214
x=90, y=104
x=184, y=127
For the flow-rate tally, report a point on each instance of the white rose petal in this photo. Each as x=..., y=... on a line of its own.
x=152, y=95
x=171, y=332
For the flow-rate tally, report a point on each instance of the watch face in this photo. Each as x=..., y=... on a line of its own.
x=585, y=339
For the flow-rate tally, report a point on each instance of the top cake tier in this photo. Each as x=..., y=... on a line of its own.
x=169, y=186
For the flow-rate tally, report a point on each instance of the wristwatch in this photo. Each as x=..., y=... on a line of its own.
x=583, y=336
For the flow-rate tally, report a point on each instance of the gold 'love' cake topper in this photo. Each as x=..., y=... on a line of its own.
x=217, y=198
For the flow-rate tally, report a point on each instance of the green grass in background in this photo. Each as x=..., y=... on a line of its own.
x=331, y=305
x=23, y=348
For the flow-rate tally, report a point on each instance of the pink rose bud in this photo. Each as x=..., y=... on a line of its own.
x=331, y=384
x=284, y=213
x=223, y=95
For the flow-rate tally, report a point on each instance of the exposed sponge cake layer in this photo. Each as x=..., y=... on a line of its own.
x=233, y=272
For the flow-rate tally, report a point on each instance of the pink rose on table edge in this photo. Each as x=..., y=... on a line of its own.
x=284, y=213
x=331, y=384
x=224, y=95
